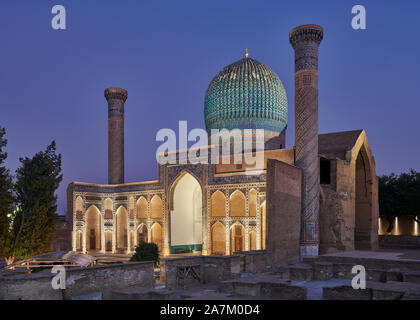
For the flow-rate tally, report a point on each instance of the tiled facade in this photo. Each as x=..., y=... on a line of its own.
x=120, y=195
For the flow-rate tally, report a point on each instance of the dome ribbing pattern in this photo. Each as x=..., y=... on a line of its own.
x=246, y=95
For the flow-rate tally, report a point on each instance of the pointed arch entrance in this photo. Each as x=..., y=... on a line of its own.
x=156, y=235
x=218, y=239
x=186, y=215
x=142, y=233
x=363, y=210
x=93, y=228
x=121, y=223
x=237, y=237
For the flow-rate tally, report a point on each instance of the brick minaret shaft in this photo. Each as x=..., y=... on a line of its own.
x=116, y=98
x=305, y=41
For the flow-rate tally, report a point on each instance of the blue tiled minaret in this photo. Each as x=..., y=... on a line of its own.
x=305, y=41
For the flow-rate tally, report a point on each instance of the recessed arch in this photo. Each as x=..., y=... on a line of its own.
x=218, y=239
x=363, y=203
x=93, y=228
x=79, y=240
x=108, y=240
x=108, y=206
x=132, y=244
x=121, y=224
x=80, y=204
x=156, y=235
x=175, y=182
x=252, y=203
x=142, y=233
x=186, y=214
x=263, y=225
x=237, y=204
x=156, y=207
x=218, y=204
x=252, y=240
x=131, y=207
x=237, y=237
x=141, y=208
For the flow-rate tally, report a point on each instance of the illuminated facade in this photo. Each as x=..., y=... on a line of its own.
x=219, y=209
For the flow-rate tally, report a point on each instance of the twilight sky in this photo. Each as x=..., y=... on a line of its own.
x=165, y=54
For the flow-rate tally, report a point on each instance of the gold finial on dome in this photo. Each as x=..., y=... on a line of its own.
x=246, y=52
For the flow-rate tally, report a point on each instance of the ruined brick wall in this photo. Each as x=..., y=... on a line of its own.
x=212, y=269
x=338, y=202
x=79, y=281
x=255, y=261
x=336, y=215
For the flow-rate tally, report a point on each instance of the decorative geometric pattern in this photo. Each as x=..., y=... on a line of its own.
x=305, y=41
x=246, y=95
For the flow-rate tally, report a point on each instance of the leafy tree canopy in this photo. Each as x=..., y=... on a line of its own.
x=37, y=180
x=399, y=195
x=146, y=252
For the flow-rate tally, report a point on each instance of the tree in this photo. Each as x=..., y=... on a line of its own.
x=6, y=199
x=37, y=180
x=399, y=196
x=146, y=252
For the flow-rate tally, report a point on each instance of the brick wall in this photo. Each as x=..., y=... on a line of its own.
x=79, y=281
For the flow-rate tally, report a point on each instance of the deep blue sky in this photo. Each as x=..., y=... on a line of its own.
x=165, y=53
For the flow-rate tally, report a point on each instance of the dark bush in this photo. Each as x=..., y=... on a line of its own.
x=146, y=251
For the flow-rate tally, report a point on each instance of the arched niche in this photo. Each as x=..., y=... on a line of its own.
x=218, y=204
x=121, y=224
x=186, y=214
x=237, y=204
x=218, y=239
x=141, y=208
x=93, y=228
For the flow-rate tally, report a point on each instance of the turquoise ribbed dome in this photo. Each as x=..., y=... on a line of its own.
x=246, y=95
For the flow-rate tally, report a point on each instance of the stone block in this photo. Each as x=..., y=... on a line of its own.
x=323, y=271
x=301, y=272
x=283, y=291
x=378, y=294
x=346, y=293
x=139, y=293
x=79, y=282
x=243, y=288
x=343, y=270
x=377, y=275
